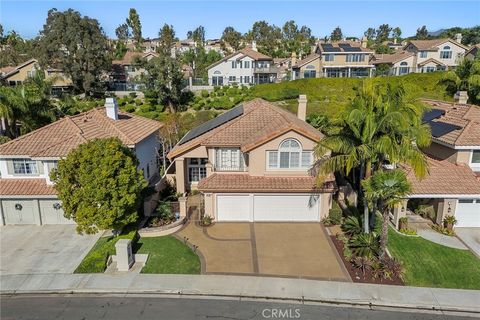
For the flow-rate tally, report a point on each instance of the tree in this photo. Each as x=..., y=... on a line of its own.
x=133, y=21
x=466, y=77
x=380, y=126
x=397, y=33
x=166, y=39
x=200, y=59
x=197, y=35
x=1, y=33
x=383, y=33
x=232, y=37
x=163, y=82
x=78, y=46
x=370, y=33
x=386, y=189
x=99, y=185
x=422, y=33
x=337, y=34
x=267, y=37
x=123, y=32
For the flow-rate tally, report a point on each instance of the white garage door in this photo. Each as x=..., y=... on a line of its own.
x=468, y=213
x=19, y=211
x=52, y=213
x=233, y=208
x=277, y=207
x=286, y=208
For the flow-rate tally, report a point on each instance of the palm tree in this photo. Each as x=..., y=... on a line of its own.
x=380, y=126
x=466, y=77
x=386, y=188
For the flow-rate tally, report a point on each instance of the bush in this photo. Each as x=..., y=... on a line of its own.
x=138, y=102
x=409, y=231
x=207, y=220
x=129, y=108
x=164, y=211
x=353, y=225
x=335, y=214
x=132, y=95
x=205, y=93
x=365, y=245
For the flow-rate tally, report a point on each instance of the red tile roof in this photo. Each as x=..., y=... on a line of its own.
x=243, y=182
x=59, y=138
x=25, y=187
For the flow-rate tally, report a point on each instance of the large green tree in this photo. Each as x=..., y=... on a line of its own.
x=422, y=33
x=78, y=46
x=99, y=185
x=232, y=37
x=198, y=35
x=167, y=39
x=386, y=189
x=380, y=126
x=466, y=77
x=337, y=34
x=133, y=21
x=268, y=37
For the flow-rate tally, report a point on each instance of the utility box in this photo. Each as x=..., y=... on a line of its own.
x=124, y=258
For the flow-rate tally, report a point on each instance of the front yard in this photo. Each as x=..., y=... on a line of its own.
x=428, y=264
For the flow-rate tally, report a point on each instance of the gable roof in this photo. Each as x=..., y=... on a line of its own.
x=130, y=56
x=431, y=60
x=465, y=116
x=432, y=44
x=260, y=122
x=60, y=137
x=391, y=58
x=14, y=70
x=341, y=47
x=311, y=57
x=245, y=52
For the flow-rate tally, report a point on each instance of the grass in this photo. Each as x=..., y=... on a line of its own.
x=168, y=255
x=429, y=264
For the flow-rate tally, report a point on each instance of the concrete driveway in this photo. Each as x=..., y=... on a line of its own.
x=471, y=237
x=301, y=250
x=42, y=249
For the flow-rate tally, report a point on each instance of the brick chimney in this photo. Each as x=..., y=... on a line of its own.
x=294, y=58
x=254, y=45
x=458, y=37
x=364, y=42
x=302, y=107
x=111, y=107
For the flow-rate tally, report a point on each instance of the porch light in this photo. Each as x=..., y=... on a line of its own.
x=57, y=206
x=449, y=210
x=403, y=208
x=18, y=206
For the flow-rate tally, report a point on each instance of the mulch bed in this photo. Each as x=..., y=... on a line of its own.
x=357, y=275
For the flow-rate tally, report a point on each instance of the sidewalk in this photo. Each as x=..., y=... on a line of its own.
x=248, y=287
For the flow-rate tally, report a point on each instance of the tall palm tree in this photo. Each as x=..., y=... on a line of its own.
x=386, y=188
x=380, y=126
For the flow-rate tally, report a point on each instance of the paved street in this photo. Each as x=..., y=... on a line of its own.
x=148, y=307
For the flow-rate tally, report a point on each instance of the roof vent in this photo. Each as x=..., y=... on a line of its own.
x=111, y=107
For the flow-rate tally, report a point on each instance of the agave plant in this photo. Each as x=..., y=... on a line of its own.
x=365, y=245
x=353, y=225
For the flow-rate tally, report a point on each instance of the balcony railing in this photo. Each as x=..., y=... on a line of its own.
x=270, y=69
x=230, y=168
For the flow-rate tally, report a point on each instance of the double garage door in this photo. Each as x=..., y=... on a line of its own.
x=268, y=207
x=44, y=211
x=468, y=213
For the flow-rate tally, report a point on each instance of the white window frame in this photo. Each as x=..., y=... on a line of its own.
x=20, y=167
x=423, y=54
x=202, y=169
x=474, y=165
x=291, y=151
x=229, y=159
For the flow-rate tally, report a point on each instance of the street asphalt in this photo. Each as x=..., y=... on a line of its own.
x=88, y=307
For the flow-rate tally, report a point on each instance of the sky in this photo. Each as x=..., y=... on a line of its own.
x=354, y=17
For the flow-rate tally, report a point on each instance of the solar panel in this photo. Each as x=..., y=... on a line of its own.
x=352, y=49
x=441, y=128
x=432, y=114
x=212, y=124
x=329, y=48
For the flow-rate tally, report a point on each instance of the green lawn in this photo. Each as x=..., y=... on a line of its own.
x=168, y=255
x=429, y=264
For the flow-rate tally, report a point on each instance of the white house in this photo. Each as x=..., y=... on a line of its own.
x=27, y=195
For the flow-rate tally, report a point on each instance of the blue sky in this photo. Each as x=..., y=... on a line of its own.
x=354, y=17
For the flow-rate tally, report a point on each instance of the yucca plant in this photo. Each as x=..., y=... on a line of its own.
x=365, y=245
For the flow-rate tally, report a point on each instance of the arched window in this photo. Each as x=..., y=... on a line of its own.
x=290, y=155
x=446, y=48
x=403, y=63
x=310, y=67
x=217, y=72
x=446, y=53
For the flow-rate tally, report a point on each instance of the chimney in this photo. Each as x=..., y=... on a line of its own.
x=458, y=37
x=394, y=40
x=111, y=107
x=302, y=107
x=461, y=97
x=254, y=45
x=294, y=58
x=364, y=42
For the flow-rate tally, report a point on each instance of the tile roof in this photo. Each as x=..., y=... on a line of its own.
x=338, y=48
x=249, y=52
x=432, y=43
x=444, y=178
x=59, y=138
x=466, y=116
x=25, y=187
x=260, y=122
x=14, y=70
x=243, y=182
x=130, y=56
x=311, y=57
x=391, y=58
x=431, y=60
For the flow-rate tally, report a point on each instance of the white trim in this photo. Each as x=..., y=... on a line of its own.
x=451, y=146
x=34, y=196
x=452, y=196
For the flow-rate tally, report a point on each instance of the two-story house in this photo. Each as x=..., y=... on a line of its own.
x=27, y=195
x=126, y=71
x=246, y=66
x=423, y=56
x=452, y=184
x=253, y=163
x=345, y=59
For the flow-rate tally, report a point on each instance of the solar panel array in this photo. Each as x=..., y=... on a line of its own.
x=212, y=124
x=327, y=47
x=442, y=128
x=432, y=114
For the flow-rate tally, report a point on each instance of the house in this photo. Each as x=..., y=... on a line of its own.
x=399, y=63
x=427, y=56
x=453, y=182
x=344, y=59
x=246, y=66
x=19, y=74
x=27, y=195
x=253, y=163
x=472, y=52
x=126, y=70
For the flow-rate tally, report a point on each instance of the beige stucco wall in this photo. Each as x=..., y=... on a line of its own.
x=22, y=73
x=445, y=153
x=443, y=209
x=197, y=152
x=257, y=164
x=61, y=80
x=317, y=63
x=341, y=60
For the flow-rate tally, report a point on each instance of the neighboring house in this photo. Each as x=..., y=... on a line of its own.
x=344, y=59
x=18, y=74
x=126, y=71
x=246, y=66
x=473, y=52
x=427, y=56
x=27, y=195
x=284, y=65
x=253, y=163
x=453, y=182
x=399, y=63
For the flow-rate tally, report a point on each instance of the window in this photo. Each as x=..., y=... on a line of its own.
x=355, y=57
x=428, y=69
x=25, y=166
x=196, y=169
x=229, y=159
x=445, y=54
x=423, y=54
x=404, y=69
x=329, y=57
x=247, y=78
x=289, y=156
x=246, y=64
x=309, y=74
x=232, y=78
x=476, y=156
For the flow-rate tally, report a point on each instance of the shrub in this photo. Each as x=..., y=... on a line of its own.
x=365, y=245
x=132, y=95
x=164, y=211
x=335, y=214
x=138, y=102
x=353, y=225
x=207, y=220
x=362, y=263
x=409, y=231
x=129, y=108
x=205, y=93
